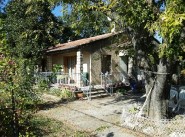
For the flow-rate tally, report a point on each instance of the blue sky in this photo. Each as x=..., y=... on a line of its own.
x=57, y=11
x=158, y=37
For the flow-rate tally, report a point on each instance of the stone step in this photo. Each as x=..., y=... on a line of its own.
x=97, y=96
x=92, y=89
x=94, y=92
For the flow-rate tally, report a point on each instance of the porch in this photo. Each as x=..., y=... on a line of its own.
x=74, y=68
x=108, y=82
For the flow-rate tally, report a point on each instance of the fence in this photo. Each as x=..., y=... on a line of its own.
x=162, y=128
x=63, y=78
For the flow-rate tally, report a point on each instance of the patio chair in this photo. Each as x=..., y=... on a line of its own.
x=181, y=101
x=182, y=88
x=173, y=98
x=62, y=79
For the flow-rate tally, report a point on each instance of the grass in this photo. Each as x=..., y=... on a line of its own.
x=62, y=93
x=45, y=127
x=101, y=128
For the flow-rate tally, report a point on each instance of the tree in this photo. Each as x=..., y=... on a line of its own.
x=27, y=29
x=80, y=21
x=87, y=22
x=171, y=24
x=157, y=59
x=140, y=20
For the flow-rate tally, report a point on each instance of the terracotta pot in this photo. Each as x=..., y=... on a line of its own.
x=79, y=95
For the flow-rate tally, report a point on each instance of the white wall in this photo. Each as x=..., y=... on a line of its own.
x=86, y=61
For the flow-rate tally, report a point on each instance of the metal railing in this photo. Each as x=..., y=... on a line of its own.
x=87, y=87
x=47, y=76
x=63, y=78
x=106, y=83
x=109, y=80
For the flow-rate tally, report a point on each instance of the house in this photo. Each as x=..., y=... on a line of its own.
x=94, y=58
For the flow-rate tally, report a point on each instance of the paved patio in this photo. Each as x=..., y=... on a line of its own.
x=99, y=116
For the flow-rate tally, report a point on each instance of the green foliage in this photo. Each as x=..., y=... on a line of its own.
x=31, y=27
x=26, y=30
x=40, y=126
x=170, y=24
x=134, y=13
x=43, y=84
x=63, y=93
x=102, y=128
x=133, y=110
x=121, y=90
x=171, y=21
x=17, y=97
x=57, y=68
x=67, y=94
x=82, y=21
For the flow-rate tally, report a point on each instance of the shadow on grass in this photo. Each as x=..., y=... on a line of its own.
x=51, y=104
x=40, y=126
x=44, y=127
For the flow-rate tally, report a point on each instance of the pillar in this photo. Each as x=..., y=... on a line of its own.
x=79, y=68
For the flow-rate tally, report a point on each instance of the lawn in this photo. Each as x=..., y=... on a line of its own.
x=45, y=127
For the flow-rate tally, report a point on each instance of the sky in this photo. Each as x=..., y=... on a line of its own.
x=57, y=11
x=158, y=37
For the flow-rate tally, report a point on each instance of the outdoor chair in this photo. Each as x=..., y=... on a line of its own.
x=62, y=79
x=181, y=88
x=173, y=98
x=181, y=101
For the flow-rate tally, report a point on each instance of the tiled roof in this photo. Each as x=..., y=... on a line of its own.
x=77, y=43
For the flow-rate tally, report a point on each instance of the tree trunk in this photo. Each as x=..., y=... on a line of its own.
x=130, y=66
x=157, y=105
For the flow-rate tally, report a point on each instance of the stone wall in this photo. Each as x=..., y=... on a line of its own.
x=104, y=47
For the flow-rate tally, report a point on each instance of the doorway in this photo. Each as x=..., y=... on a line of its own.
x=70, y=66
x=106, y=64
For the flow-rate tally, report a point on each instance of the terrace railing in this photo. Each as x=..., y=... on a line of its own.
x=106, y=83
x=47, y=76
x=87, y=86
x=63, y=78
x=108, y=80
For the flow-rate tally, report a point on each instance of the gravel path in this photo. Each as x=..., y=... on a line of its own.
x=99, y=116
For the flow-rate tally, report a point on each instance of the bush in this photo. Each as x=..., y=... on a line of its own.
x=121, y=90
x=63, y=93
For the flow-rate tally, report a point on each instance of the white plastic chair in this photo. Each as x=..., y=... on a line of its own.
x=182, y=88
x=173, y=96
x=181, y=101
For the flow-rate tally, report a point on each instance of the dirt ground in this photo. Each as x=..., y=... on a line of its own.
x=100, y=116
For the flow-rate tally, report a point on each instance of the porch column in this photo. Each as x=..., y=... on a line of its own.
x=79, y=68
x=49, y=63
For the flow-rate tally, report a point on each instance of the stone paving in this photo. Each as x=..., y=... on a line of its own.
x=99, y=116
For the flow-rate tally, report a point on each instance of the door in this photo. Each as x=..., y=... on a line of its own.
x=70, y=66
x=106, y=64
